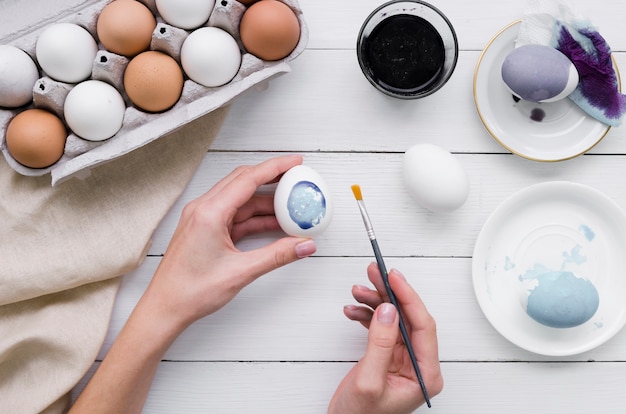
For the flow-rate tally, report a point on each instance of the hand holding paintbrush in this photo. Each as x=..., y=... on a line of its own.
x=390, y=293
x=383, y=381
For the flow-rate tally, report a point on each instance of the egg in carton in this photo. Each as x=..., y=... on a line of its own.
x=139, y=127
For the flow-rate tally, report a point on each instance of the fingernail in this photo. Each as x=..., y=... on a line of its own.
x=386, y=313
x=399, y=273
x=305, y=248
x=362, y=288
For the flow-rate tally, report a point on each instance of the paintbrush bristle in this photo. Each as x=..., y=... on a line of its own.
x=357, y=192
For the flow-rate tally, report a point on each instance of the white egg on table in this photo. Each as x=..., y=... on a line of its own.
x=303, y=204
x=185, y=14
x=94, y=110
x=434, y=178
x=18, y=74
x=65, y=52
x=210, y=56
x=539, y=73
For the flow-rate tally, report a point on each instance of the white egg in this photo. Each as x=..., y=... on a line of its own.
x=434, y=178
x=303, y=204
x=94, y=110
x=185, y=14
x=65, y=52
x=18, y=74
x=210, y=56
x=539, y=73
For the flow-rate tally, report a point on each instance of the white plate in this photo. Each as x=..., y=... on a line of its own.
x=549, y=224
x=565, y=131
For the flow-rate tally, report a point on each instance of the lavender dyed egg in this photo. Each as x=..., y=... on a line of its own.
x=303, y=204
x=538, y=73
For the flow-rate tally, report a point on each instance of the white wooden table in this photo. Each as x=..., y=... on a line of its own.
x=283, y=344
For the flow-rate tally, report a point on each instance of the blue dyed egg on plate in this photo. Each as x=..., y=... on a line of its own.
x=562, y=300
x=539, y=73
x=303, y=204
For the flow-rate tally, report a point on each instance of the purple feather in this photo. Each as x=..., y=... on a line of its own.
x=598, y=80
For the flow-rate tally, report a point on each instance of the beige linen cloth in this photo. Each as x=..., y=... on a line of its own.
x=62, y=250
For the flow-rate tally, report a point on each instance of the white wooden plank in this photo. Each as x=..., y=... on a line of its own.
x=403, y=227
x=303, y=388
x=295, y=314
x=20, y=17
x=343, y=112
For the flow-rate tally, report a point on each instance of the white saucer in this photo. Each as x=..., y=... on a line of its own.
x=565, y=130
x=548, y=224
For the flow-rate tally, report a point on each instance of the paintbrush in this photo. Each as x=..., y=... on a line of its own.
x=356, y=189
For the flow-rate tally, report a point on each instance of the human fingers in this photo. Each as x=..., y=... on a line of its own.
x=219, y=185
x=285, y=250
x=360, y=314
x=423, y=331
x=255, y=216
x=240, y=185
x=373, y=274
x=381, y=342
x=257, y=205
x=366, y=296
x=411, y=303
x=254, y=225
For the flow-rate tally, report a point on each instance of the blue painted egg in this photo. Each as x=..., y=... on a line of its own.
x=538, y=73
x=562, y=300
x=303, y=204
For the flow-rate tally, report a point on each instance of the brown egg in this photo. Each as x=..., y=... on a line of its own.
x=269, y=29
x=125, y=27
x=36, y=138
x=153, y=81
x=247, y=2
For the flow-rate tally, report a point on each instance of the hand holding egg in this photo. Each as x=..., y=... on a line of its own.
x=303, y=204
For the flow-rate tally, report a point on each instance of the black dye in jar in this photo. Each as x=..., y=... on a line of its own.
x=404, y=54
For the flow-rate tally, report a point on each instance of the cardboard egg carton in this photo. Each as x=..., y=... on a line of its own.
x=139, y=127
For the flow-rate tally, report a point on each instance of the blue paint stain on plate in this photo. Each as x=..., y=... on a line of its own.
x=574, y=256
x=587, y=232
x=508, y=264
x=306, y=204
